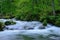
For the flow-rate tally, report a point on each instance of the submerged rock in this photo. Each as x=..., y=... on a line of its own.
x=2, y=26
x=28, y=28
x=10, y=23
x=42, y=27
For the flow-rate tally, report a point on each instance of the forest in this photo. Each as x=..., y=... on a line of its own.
x=45, y=11
x=29, y=19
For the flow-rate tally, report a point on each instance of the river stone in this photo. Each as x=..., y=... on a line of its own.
x=28, y=28
x=42, y=27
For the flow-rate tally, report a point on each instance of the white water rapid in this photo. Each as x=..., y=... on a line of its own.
x=32, y=29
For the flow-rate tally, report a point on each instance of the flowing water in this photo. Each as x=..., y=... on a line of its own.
x=32, y=30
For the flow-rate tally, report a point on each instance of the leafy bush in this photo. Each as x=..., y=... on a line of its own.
x=57, y=23
x=42, y=18
x=6, y=17
x=10, y=23
x=51, y=19
x=28, y=16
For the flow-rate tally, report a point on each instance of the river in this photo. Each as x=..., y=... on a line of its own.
x=31, y=30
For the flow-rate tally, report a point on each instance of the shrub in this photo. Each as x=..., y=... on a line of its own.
x=6, y=17
x=28, y=16
x=51, y=19
x=10, y=23
x=57, y=23
x=42, y=18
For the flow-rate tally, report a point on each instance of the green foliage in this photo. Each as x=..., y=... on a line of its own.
x=31, y=10
x=1, y=26
x=51, y=19
x=28, y=16
x=43, y=17
x=6, y=7
x=10, y=23
x=57, y=23
x=45, y=22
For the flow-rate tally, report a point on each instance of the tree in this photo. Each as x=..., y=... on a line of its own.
x=7, y=7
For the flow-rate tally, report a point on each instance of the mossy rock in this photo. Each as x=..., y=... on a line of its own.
x=10, y=23
x=44, y=23
x=2, y=26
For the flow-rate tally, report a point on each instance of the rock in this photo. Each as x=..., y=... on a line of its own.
x=41, y=27
x=2, y=26
x=28, y=28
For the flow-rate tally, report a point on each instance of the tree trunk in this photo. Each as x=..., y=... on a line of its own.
x=53, y=7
